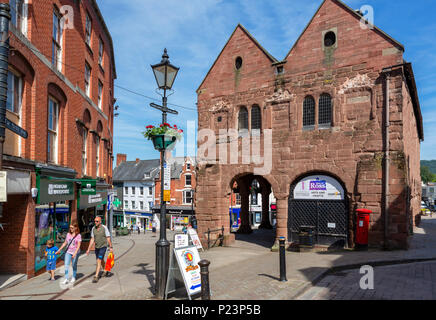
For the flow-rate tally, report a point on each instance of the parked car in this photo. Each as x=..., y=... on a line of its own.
x=424, y=209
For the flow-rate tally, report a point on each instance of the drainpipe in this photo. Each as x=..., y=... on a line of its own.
x=5, y=17
x=386, y=160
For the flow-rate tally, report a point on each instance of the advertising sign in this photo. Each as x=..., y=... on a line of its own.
x=55, y=190
x=89, y=187
x=181, y=240
x=319, y=188
x=3, y=188
x=195, y=239
x=167, y=182
x=187, y=259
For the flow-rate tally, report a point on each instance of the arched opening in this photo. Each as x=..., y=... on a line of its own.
x=318, y=200
x=243, y=119
x=256, y=118
x=309, y=112
x=249, y=206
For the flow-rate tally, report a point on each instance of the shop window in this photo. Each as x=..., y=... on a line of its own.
x=56, y=58
x=53, y=126
x=325, y=111
x=309, y=113
x=243, y=119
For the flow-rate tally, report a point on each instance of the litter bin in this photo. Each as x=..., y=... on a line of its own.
x=305, y=236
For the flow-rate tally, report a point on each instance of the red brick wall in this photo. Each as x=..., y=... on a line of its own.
x=351, y=150
x=40, y=80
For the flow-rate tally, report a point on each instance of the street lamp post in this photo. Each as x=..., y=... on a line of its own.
x=165, y=74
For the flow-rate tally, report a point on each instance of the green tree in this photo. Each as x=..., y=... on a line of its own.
x=426, y=175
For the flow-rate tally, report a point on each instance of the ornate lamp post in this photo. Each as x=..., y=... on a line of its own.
x=165, y=74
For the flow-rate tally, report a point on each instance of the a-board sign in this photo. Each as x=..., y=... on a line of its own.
x=184, y=271
x=187, y=259
x=195, y=239
x=181, y=240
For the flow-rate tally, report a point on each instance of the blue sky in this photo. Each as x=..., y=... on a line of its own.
x=195, y=31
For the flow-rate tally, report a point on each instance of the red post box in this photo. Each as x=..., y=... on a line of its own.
x=362, y=228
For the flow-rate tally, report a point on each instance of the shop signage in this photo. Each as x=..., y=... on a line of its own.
x=319, y=188
x=3, y=186
x=181, y=240
x=195, y=239
x=187, y=259
x=167, y=182
x=55, y=190
x=89, y=187
x=100, y=198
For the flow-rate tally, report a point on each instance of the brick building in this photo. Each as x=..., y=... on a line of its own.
x=334, y=146
x=183, y=184
x=61, y=91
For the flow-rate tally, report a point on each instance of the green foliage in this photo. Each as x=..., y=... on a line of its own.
x=427, y=175
x=165, y=129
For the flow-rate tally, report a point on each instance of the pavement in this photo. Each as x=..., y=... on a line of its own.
x=248, y=270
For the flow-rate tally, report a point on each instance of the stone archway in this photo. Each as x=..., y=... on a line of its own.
x=244, y=185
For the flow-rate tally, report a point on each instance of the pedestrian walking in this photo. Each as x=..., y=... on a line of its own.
x=139, y=229
x=101, y=237
x=50, y=253
x=131, y=229
x=72, y=241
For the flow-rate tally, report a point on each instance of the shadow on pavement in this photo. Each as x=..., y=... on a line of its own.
x=262, y=237
x=148, y=273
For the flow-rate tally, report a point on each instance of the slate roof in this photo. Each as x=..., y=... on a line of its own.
x=134, y=171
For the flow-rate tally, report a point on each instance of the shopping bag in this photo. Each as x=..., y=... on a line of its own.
x=109, y=262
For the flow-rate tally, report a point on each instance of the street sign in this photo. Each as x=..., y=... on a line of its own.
x=16, y=129
x=163, y=109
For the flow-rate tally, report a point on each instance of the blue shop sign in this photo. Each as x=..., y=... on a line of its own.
x=139, y=214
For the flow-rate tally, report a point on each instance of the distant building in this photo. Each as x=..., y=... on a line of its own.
x=429, y=192
x=135, y=180
x=183, y=183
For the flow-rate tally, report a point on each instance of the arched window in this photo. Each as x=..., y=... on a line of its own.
x=309, y=112
x=243, y=118
x=325, y=110
x=256, y=118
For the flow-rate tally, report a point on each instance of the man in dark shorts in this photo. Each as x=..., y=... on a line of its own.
x=101, y=236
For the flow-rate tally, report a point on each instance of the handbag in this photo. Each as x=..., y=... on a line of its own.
x=63, y=253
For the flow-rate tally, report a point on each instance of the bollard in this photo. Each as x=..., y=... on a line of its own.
x=282, y=259
x=204, y=271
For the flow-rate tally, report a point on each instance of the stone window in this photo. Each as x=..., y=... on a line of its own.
x=329, y=39
x=309, y=113
x=243, y=118
x=325, y=111
x=256, y=119
x=238, y=63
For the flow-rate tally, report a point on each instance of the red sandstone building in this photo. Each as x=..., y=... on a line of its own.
x=61, y=90
x=346, y=130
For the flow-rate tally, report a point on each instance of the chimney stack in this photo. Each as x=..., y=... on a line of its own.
x=137, y=160
x=121, y=158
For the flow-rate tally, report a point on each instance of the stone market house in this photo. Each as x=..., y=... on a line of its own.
x=61, y=91
x=334, y=147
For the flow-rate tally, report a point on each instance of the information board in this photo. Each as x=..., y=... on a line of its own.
x=181, y=240
x=319, y=188
x=195, y=239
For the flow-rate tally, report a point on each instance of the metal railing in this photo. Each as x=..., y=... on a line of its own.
x=219, y=238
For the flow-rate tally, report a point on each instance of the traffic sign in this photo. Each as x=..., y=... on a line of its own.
x=16, y=129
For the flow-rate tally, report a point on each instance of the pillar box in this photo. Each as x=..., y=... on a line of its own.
x=362, y=228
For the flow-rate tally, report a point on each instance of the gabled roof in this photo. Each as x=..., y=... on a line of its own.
x=134, y=171
x=270, y=57
x=357, y=15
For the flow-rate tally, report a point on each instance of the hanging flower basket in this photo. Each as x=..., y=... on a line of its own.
x=164, y=136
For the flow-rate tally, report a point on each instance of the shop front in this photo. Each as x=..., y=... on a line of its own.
x=177, y=216
x=52, y=213
x=118, y=219
x=91, y=204
x=141, y=219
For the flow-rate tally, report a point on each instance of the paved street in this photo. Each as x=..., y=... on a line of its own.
x=249, y=270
